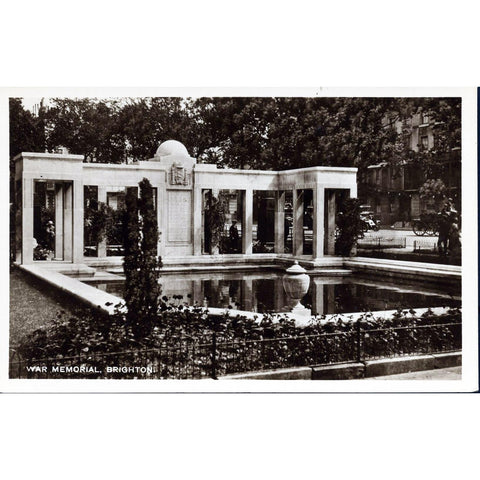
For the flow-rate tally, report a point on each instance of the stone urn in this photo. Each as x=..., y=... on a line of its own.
x=296, y=283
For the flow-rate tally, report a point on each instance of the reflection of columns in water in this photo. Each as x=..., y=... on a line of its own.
x=198, y=294
x=323, y=297
x=298, y=222
x=280, y=222
x=59, y=221
x=247, y=294
x=279, y=301
x=318, y=298
x=214, y=299
x=330, y=294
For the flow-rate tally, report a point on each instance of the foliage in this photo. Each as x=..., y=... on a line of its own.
x=46, y=234
x=433, y=191
x=86, y=126
x=349, y=225
x=215, y=216
x=181, y=340
x=26, y=130
x=141, y=265
x=131, y=260
x=150, y=263
x=98, y=216
x=249, y=132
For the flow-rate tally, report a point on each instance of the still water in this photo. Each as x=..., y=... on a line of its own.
x=326, y=295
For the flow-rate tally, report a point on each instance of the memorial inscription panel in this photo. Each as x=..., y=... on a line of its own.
x=179, y=226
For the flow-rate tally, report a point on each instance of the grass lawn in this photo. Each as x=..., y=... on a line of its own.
x=33, y=305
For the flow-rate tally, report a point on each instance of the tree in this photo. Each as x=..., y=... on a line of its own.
x=131, y=260
x=349, y=226
x=150, y=263
x=26, y=130
x=86, y=126
x=141, y=264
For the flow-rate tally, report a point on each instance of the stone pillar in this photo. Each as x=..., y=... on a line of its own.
x=68, y=222
x=78, y=221
x=161, y=213
x=197, y=220
x=331, y=211
x=102, y=246
x=298, y=211
x=318, y=220
x=280, y=222
x=247, y=219
x=27, y=222
x=59, y=192
x=353, y=191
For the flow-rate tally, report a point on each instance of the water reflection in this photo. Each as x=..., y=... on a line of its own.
x=326, y=295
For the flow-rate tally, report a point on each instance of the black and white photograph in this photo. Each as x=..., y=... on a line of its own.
x=310, y=237
x=240, y=240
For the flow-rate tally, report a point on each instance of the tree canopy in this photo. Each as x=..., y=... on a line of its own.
x=241, y=132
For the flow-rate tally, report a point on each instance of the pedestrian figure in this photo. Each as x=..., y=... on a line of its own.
x=454, y=240
x=233, y=237
x=444, y=225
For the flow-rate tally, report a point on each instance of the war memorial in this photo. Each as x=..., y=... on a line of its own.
x=274, y=252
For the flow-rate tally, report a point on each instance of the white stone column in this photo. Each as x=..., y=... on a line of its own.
x=247, y=220
x=298, y=211
x=59, y=221
x=197, y=220
x=78, y=221
x=318, y=221
x=102, y=198
x=331, y=211
x=280, y=222
x=353, y=191
x=68, y=222
x=27, y=222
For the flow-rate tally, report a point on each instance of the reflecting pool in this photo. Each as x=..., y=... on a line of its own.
x=264, y=292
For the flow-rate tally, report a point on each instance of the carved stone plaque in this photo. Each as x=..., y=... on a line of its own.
x=179, y=175
x=179, y=226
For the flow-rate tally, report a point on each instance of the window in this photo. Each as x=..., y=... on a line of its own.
x=425, y=118
x=424, y=141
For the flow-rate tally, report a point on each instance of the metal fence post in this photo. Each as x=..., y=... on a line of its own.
x=359, y=341
x=214, y=354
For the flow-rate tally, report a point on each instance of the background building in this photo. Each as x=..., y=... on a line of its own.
x=393, y=192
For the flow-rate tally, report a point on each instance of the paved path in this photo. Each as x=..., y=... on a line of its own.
x=451, y=373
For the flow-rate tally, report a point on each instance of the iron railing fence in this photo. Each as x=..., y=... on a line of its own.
x=379, y=243
x=425, y=246
x=189, y=360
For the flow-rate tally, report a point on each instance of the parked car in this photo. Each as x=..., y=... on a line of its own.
x=368, y=218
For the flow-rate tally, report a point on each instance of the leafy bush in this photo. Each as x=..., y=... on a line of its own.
x=182, y=340
x=349, y=225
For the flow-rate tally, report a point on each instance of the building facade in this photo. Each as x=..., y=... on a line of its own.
x=393, y=192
